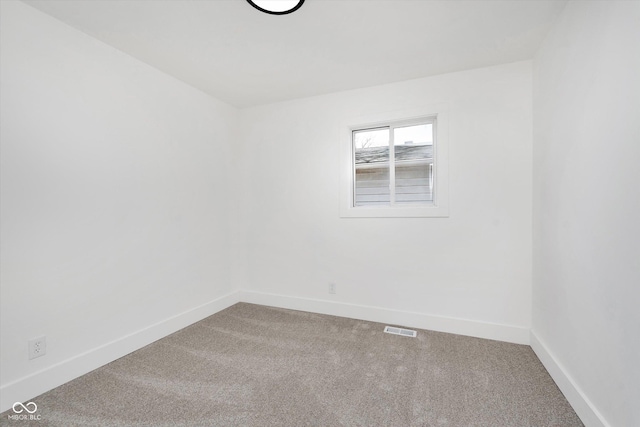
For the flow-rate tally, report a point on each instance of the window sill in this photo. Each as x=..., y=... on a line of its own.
x=425, y=211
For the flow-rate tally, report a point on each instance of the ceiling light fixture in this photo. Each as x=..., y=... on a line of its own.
x=276, y=7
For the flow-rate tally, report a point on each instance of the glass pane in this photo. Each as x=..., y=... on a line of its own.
x=413, y=147
x=371, y=186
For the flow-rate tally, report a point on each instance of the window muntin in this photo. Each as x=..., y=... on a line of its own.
x=394, y=164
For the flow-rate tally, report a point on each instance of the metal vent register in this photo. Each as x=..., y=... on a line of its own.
x=400, y=331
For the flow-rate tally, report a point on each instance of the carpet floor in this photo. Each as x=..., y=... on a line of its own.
x=251, y=365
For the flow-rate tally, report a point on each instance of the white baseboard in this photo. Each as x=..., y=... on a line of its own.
x=26, y=388
x=578, y=400
x=507, y=333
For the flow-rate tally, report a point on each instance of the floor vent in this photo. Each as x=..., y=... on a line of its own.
x=400, y=331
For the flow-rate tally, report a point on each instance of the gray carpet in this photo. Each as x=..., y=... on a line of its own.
x=252, y=365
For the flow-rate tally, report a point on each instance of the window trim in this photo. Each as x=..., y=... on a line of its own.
x=440, y=205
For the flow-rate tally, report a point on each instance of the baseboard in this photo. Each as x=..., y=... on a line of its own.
x=507, y=333
x=28, y=387
x=576, y=397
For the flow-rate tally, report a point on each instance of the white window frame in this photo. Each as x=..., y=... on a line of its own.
x=440, y=205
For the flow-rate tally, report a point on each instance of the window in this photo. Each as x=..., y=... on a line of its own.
x=394, y=164
x=397, y=168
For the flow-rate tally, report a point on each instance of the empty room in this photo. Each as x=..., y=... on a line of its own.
x=320, y=213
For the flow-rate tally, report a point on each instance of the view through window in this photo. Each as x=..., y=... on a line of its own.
x=394, y=164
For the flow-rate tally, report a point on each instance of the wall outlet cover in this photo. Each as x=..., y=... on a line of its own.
x=37, y=347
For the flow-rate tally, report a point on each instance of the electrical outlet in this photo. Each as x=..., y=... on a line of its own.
x=332, y=288
x=37, y=347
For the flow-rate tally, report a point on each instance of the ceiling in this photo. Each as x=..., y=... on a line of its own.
x=244, y=57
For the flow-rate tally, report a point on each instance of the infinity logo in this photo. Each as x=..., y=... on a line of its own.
x=22, y=407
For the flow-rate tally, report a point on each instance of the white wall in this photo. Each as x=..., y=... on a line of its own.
x=586, y=289
x=115, y=198
x=474, y=265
